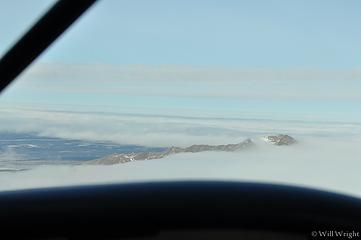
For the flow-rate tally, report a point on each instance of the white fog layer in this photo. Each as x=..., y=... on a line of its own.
x=313, y=162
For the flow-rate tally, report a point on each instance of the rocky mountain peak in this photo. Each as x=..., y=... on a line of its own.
x=280, y=139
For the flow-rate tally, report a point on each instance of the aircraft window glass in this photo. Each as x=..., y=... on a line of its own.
x=156, y=90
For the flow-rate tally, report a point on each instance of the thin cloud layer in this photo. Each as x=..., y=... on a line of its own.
x=162, y=130
x=190, y=81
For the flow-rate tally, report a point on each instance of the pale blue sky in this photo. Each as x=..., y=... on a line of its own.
x=247, y=34
x=304, y=58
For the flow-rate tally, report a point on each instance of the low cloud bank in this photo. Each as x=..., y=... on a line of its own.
x=326, y=157
x=314, y=162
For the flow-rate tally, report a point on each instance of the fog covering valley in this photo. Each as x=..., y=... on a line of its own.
x=326, y=155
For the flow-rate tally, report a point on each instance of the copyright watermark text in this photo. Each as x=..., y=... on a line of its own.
x=341, y=234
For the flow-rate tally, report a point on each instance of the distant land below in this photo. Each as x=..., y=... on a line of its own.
x=116, y=158
x=19, y=149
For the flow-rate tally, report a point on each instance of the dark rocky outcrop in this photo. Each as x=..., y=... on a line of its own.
x=129, y=157
x=280, y=140
x=115, y=158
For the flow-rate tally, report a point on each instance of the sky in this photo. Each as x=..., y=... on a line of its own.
x=246, y=34
x=277, y=60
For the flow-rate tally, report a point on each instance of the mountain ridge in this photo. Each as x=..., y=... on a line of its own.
x=117, y=158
